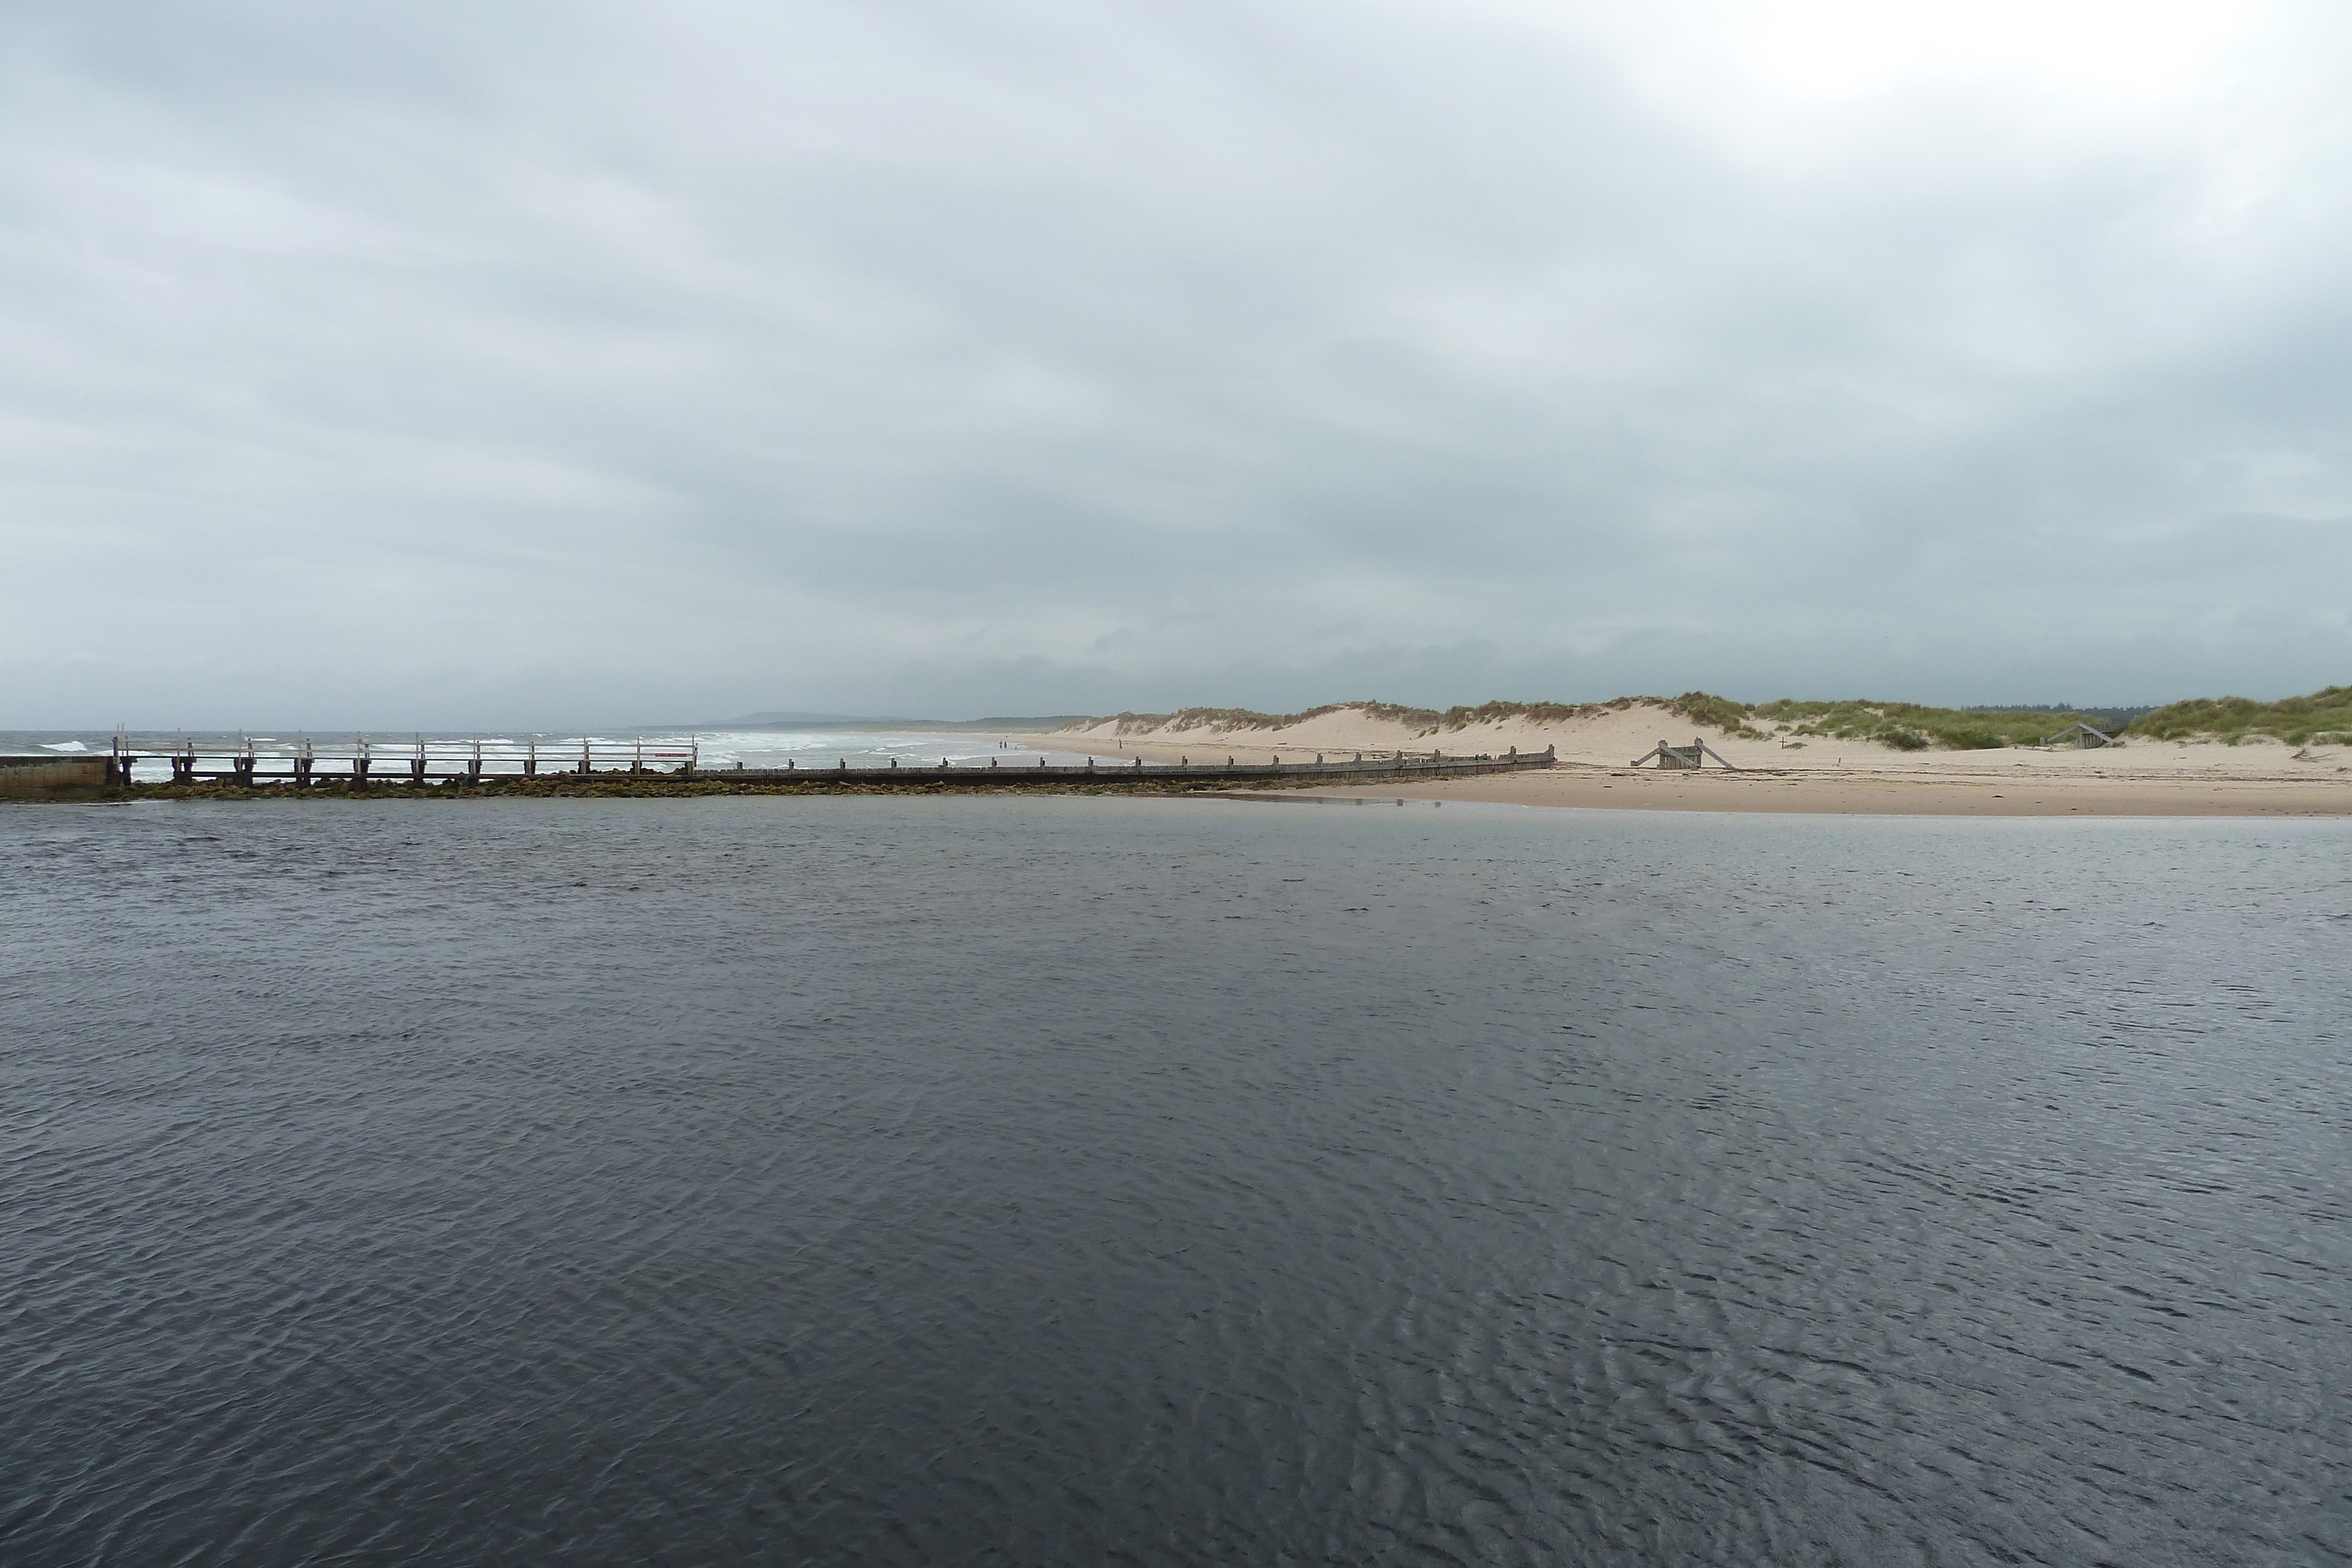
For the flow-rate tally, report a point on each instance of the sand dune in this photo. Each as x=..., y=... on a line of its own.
x=1784, y=773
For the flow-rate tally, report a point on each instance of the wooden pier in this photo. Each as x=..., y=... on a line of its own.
x=362, y=764
x=361, y=761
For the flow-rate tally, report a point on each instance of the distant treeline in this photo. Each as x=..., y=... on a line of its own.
x=1698, y=705
x=2323, y=716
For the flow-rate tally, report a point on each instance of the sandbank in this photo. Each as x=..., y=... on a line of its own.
x=1783, y=773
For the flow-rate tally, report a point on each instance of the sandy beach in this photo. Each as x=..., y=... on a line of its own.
x=2138, y=779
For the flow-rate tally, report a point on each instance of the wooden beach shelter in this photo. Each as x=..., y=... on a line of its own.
x=2081, y=736
x=1685, y=757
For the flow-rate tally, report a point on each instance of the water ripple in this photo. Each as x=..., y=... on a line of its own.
x=946, y=1181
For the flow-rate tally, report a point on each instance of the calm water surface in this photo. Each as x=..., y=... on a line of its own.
x=898, y=1180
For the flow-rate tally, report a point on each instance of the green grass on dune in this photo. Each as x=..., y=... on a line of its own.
x=1914, y=727
x=2325, y=715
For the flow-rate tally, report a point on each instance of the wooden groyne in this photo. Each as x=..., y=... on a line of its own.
x=1356, y=769
x=361, y=765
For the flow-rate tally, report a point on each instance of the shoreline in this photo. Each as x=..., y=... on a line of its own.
x=2141, y=779
x=1568, y=786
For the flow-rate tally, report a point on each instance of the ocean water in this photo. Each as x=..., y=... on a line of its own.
x=1081, y=1181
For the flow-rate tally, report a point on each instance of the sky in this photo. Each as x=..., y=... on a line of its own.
x=448, y=365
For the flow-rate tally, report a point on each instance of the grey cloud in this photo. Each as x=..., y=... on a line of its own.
x=430, y=364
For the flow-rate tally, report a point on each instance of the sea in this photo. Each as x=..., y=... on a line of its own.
x=882, y=1180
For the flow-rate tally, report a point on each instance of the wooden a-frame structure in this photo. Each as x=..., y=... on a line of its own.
x=1684, y=757
x=2080, y=736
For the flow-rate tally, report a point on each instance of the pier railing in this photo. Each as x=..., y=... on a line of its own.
x=360, y=762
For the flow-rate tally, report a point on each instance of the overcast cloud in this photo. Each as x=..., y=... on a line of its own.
x=433, y=364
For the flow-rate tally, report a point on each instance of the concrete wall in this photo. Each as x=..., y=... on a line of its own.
x=51, y=777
